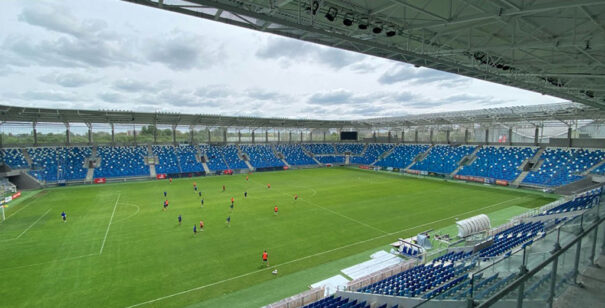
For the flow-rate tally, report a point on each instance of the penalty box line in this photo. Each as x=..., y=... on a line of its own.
x=30, y=226
x=313, y=255
x=109, y=225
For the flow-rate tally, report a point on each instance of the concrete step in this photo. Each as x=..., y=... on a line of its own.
x=206, y=168
x=90, y=174
x=152, y=172
x=249, y=165
x=28, y=159
x=597, y=165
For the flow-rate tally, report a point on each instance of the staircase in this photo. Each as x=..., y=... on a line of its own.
x=470, y=159
x=420, y=157
x=310, y=154
x=152, y=171
x=384, y=155
x=535, y=160
x=90, y=174
x=178, y=159
x=206, y=169
x=28, y=159
x=250, y=167
x=347, y=159
x=597, y=165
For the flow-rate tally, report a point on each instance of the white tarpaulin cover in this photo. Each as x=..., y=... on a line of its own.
x=473, y=225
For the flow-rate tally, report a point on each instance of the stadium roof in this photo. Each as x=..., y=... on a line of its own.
x=551, y=47
x=563, y=112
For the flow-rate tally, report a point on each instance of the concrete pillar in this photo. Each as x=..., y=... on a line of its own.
x=487, y=136
x=267, y=136
x=239, y=136
x=290, y=137
x=209, y=137
x=173, y=134
x=311, y=136
x=402, y=136
x=374, y=137
x=301, y=137
x=67, y=138
x=569, y=137
x=191, y=135
x=224, y=135
x=278, y=136
x=536, y=135
x=35, y=134
x=447, y=136
x=134, y=134
x=466, y=136
x=89, y=133
x=389, y=137
x=510, y=136
x=324, y=136
x=155, y=133
x=113, y=134
x=431, y=135
x=416, y=136
x=252, y=136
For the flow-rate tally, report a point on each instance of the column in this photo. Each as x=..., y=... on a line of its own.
x=113, y=134
x=35, y=133
x=252, y=136
x=536, y=135
x=569, y=137
x=174, y=134
x=510, y=136
x=487, y=136
x=89, y=133
x=266, y=136
x=67, y=139
x=447, y=136
x=431, y=135
x=416, y=135
x=466, y=136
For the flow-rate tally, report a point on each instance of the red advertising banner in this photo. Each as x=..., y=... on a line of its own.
x=502, y=182
x=286, y=167
x=17, y=195
x=228, y=171
x=328, y=165
x=160, y=176
x=413, y=171
x=364, y=167
x=99, y=181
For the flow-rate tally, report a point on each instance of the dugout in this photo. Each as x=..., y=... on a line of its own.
x=473, y=225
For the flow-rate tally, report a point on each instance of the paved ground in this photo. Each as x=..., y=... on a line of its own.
x=593, y=292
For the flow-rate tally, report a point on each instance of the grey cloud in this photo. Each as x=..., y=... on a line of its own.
x=264, y=95
x=56, y=96
x=180, y=51
x=214, y=91
x=334, y=97
x=68, y=80
x=59, y=19
x=290, y=50
x=130, y=85
x=111, y=97
x=407, y=73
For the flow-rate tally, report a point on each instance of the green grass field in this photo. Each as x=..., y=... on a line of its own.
x=119, y=249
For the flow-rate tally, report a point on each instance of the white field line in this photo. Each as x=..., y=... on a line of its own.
x=109, y=225
x=334, y=212
x=48, y=262
x=35, y=222
x=19, y=210
x=314, y=255
x=131, y=215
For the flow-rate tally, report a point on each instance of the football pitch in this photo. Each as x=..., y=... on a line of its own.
x=118, y=247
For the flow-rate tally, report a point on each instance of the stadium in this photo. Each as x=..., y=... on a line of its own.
x=478, y=207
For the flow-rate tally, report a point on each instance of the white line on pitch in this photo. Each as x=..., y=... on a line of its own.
x=109, y=225
x=19, y=210
x=48, y=262
x=35, y=222
x=314, y=255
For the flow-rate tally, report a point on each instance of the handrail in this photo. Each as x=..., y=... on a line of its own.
x=524, y=277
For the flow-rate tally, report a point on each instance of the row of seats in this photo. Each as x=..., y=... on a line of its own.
x=13, y=158
x=320, y=148
x=338, y=302
x=372, y=152
x=454, y=256
x=187, y=157
x=122, y=161
x=512, y=237
x=563, y=166
x=330, y=159
x=443, y=159
x=261, y=156
x=60, y=163
x=500, y=163
x=353, y=148
x=294, y=154
x=402, y=155
x=168, y=162
x=577, y=204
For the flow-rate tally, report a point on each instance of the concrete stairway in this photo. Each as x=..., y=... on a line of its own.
x=178, y=160
x=419, y=157
x=152, y=172
x=250, y=167
x=310, y=154
x=535, y=159
x=597, y=165
x=90, y=174
x=28, y=158
x=471, y=159
x=206, y=168
x=384, y=155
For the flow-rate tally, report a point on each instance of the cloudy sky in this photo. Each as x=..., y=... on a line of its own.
x=109, y=54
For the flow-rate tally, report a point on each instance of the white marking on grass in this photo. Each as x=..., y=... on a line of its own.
x=19, y=210
x=35, y=222
x=314, y=255
x=109, y=225
x=131, y=215
x=48, y=262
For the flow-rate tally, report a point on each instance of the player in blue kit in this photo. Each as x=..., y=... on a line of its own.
x=64, y=216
